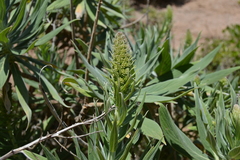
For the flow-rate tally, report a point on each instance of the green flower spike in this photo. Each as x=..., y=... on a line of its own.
x=122, y=76
x=122, y=70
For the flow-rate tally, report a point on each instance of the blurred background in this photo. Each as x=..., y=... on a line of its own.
x=210, y=17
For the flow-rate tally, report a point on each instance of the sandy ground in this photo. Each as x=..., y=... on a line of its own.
x=209, y=17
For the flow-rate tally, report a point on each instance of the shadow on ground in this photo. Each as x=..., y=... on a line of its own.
x=162, y=3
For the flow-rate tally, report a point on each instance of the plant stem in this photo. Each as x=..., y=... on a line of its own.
x=89, y=55
x=73, y=34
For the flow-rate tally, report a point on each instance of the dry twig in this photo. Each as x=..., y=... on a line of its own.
x=54, y=135
x=89, y=54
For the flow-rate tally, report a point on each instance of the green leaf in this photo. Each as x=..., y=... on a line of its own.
x=203, y=118
x=20, y=15
x=36, y=18
x=221, y=141
x=22, y=92
x=169, y=85
x=3, y=35
x=48, y=85
x=79, y=153
x=49, y=154
x=129, y=145
x=95, y=72
x=53, y=33
x=31, y=46
x=75, y=84
x=204, y=62
x=154, y=98
x=91, y=11
x=80, y=90
x=46, y=123
x=58, y=4
x=122, y=108
x=151, y=153
x=53, y=91
x=234, y=153
x=177, y=139
x=113, y=138
x=4, y=70
x=87, y=89
x=133, y=119
x=93, y=142
x=83, y=44
x=33, y=156
x=2, y=14
x=100, y=155
x=157, y=98
x=216, y=76
x=165, y=60
x=24, y=105
x=145, y=68
x=187, y=55
x=112, y=9
x=152, y=129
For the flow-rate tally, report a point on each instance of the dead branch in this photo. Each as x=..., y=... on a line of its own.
x=54, y=135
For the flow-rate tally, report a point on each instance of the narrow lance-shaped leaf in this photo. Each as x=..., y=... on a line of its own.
x=216, y=76
x=113, y=9
x=129, y=145
x=82, y=44
x=48, y=153
x=168, y=86
x=204, y=61
x=4, y=70
x=3, y=35
x=200, y=124
x=53, y=33
x=58, y=4
x=165, y=60
x=151, y=153
x=113, y=138
x=48, y=85
x=2, y=13
x=146, y=67
x=91, y=10
x=24, y=105
x=187, y=54
x=20, y=15
x=95, y=72
x=22, y=92
x=53, y=91
x=39, y=13
x=177, y=139
x=33, y=156
x=74, y=83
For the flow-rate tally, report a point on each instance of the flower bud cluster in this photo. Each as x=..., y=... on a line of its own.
x=122, y=69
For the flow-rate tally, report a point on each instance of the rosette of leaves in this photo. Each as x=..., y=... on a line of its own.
x=21, y=23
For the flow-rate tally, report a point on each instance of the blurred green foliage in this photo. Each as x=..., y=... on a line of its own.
x=229, y=53
x=144, y=100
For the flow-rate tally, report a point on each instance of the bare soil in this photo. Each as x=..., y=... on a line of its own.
x=208, y=17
